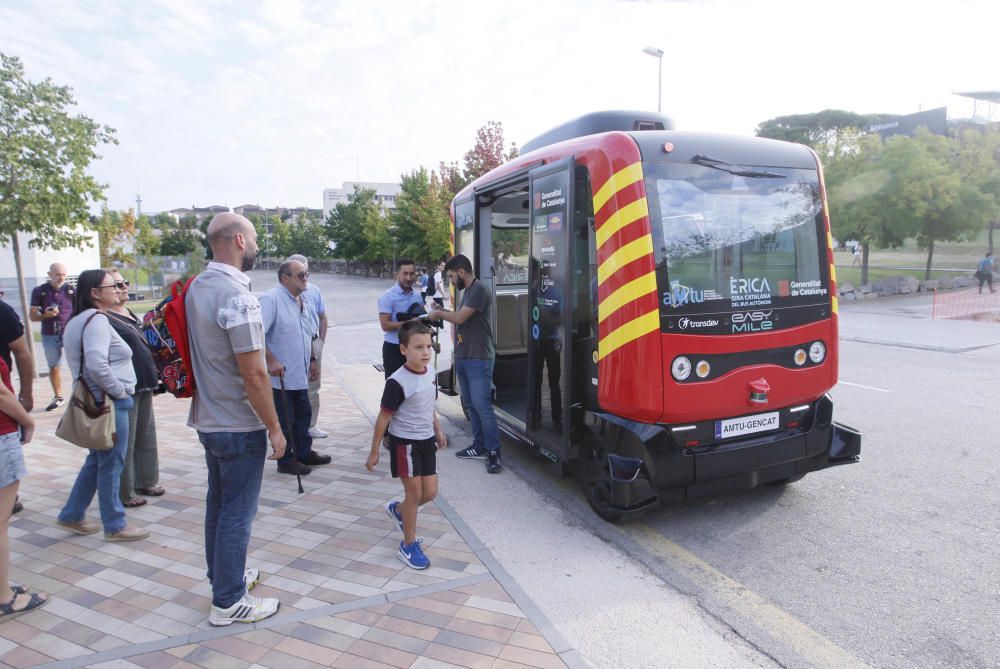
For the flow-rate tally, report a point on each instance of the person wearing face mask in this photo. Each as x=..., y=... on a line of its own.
x=475, y=352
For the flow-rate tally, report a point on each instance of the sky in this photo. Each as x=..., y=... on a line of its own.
x=270, y=101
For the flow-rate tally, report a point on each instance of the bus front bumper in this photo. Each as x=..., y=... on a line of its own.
x=660, y=471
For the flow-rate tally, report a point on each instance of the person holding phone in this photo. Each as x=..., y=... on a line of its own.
x=52, y=306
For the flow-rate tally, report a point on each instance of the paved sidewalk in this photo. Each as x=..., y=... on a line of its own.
x=329, y=555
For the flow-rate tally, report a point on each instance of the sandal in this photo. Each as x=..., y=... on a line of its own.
x=7, y=611
x=134, y=502
x=155, y=491
x=19, y=589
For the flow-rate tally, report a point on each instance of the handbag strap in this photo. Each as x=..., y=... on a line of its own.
x=82, y=357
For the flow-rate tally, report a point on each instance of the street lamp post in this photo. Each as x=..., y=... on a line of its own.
x=658, y=54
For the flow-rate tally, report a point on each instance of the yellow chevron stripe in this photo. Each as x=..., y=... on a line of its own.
x=630, y=213
x=623, y=256
x=623, y=177
x=835, y=305
x=629, y=332
x=833, y=271
x=829, y=240
x=632, y=290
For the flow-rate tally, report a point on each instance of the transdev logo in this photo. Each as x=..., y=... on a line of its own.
x=685, y=323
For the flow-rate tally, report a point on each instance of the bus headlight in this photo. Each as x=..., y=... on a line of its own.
x=817, y=352
x=800, y=357
x=702, y=369
x=680, y=368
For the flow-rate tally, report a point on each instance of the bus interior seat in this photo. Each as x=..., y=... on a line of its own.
x=510, y=338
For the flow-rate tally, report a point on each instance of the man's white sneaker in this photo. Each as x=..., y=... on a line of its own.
x=317, y=433
x=249, y=609
x=251, y=577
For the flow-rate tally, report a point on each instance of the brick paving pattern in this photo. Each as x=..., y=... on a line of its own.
x=329, y=555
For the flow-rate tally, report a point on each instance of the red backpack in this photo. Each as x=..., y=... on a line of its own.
x=165, y=329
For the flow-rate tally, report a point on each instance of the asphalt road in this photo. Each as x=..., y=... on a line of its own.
x=892, y=562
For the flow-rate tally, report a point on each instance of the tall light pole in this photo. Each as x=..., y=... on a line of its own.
x=658, y=54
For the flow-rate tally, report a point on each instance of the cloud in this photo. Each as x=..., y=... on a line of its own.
x=272, y=101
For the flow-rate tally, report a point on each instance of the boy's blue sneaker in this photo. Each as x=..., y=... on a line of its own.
x=392, y=508
x=413, y=555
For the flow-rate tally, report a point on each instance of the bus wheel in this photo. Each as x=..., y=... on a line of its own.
x=594, y=474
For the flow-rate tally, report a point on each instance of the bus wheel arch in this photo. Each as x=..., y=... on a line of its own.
x=612, y=470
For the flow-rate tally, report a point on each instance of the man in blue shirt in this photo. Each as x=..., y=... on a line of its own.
x=315, y=297
x=398, y=300
x=984, y=272
x=289, y=326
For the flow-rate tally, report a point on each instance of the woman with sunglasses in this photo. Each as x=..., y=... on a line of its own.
x=108, y=371
x=142, y=468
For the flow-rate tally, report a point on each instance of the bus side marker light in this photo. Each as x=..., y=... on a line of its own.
x=668, y=147
x=792, y=423
x=800, y=357
x=702, y=369
x=691, y=444
x=680, y=368
x=758, y=391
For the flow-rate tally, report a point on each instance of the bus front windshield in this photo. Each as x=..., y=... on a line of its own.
x=728, y=241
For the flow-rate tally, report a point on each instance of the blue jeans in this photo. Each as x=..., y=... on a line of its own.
x=300, y=414
x=235, y=466
x=475, y=381
x=101, y=473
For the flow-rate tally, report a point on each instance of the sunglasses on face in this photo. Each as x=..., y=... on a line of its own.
x=301, y=275
x=120, y=285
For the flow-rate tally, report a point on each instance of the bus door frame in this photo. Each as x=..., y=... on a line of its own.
x=448, y=380
x=560, y=255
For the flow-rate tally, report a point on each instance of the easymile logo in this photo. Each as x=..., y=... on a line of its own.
x=752, y=321
x=685, y=323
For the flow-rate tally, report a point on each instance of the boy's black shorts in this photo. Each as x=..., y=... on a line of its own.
x=412, y=457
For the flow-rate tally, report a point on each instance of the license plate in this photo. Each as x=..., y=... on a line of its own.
x=735, y=427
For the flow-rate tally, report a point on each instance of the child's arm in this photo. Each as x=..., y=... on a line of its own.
x=439, y=436
x=381, y=425
x=10, y=406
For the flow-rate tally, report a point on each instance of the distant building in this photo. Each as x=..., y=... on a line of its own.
x=201, y=213
x=385, y=195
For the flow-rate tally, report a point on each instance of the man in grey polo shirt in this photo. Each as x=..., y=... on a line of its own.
x=289, y=326
x=233, y=412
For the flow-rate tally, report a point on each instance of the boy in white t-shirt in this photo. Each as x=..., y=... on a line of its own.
x=407, y=414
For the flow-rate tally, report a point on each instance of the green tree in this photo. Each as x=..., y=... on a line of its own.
x=162, y=221
x=413, y=189
x=45, y=152
x=348, y=224
x=926, y=189
x=147, y=248
x=116, y=232
x=817, y=128
x=307, y=236
x=182, y=238
x=856, y=181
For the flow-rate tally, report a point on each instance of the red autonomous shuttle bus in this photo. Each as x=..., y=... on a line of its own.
x=665, y=308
